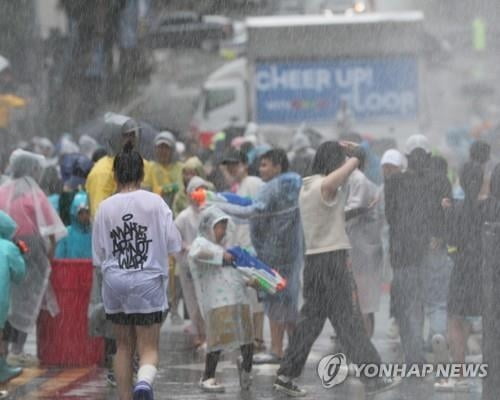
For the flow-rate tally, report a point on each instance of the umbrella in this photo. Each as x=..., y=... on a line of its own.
x=95, y=128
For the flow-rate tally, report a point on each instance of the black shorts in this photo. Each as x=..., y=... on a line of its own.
x=138, y=319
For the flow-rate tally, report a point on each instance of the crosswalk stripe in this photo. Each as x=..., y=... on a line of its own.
x=58, y=383
x=28, y=375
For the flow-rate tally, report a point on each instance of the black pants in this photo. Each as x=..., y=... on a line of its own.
x=212, y=359
x=329, y=293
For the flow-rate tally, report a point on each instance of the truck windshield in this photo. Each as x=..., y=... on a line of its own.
x=216, y=98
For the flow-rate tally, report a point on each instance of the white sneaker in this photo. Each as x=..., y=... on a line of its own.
x=22, y=360
x=211, y=386
x=245, y=377
x=452, y=385
x=4, y=394
x=440, y=349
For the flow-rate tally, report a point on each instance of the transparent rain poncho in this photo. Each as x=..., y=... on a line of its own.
x=364, y=233
x=221, y=290
x=25, y=202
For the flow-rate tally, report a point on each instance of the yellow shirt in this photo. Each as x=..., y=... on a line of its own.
x=101, y=182
x=158, y=176
x=8, y=101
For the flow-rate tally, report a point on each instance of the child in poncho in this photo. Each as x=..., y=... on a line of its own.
x=221, y=292
x=12, y=270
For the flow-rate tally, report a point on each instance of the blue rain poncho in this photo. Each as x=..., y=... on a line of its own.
x=78, y=243
x=277, y=236
x=12, y=266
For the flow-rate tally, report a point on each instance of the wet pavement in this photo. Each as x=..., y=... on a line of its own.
x=180, y=370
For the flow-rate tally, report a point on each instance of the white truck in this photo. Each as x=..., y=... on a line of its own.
x=306, y=69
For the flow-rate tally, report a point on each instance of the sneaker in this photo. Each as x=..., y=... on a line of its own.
x=210, y=385
x=110, y=379
x=8, y=372
x=452, y=385
x=143, y=391
x=440, y=349
x=22, y=360
x=289, y=388
x=245, y=377
x=4, y=394
x=380, y=385
x=266, y=358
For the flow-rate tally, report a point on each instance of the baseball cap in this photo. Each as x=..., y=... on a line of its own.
x=234, y=156
x=165, y=137
x=417, y=142
x=392, y=157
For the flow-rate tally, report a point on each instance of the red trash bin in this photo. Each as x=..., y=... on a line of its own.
x=64, y=339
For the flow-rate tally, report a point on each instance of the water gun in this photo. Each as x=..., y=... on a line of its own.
x=202, y=196
x=169, y=191
x=22, y=246
x=267, y=278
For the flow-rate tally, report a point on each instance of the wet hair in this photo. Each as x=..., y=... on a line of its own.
x=418, y=160
x=329, y=156
x=479, y=151
x=128, y=165
x=471, y=181
x=277, y=157
x=495, y=182
x=98, y=154
x=351, y=137
x=438, y=165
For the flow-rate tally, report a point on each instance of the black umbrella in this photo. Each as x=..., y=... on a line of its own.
x=95, y=128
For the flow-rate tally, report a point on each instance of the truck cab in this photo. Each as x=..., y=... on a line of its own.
x=306, y=69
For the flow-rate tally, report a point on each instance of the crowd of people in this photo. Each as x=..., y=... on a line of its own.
x=336, y=221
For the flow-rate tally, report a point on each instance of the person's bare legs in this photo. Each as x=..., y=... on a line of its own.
x=458, y=333
x=278, y=334
x=125, y=349
x=369, y=323
x=148, y=342
x=258, y=327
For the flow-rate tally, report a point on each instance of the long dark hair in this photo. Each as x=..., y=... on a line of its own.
x=329, y=156
x=471, y=180
x=128, y=165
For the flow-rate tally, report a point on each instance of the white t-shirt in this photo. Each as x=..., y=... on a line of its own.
x=133, y=234
x=249, y=187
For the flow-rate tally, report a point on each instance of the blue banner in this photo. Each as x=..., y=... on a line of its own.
x=374, y=89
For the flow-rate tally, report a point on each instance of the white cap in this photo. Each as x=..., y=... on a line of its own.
x=417, y=142
x=393, y=157
x=4, y=63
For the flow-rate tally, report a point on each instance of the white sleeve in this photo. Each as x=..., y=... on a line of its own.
x=206, y=252
x=98, y=238
x=172, y=235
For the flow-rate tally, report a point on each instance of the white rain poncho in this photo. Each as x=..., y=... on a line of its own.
x=25, y=202
x=221, y=290
x=364, y=233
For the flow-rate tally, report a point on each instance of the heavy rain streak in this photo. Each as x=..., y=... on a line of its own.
x=249, y=199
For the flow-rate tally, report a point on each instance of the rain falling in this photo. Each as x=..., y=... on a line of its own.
x=246, y=199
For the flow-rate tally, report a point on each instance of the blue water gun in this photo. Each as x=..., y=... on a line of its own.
x=202, y=196
x=266, y=277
